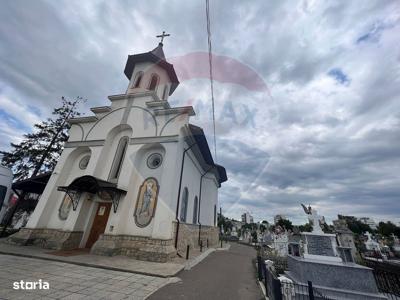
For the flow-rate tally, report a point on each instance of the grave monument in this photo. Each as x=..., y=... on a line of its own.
x=331, y=269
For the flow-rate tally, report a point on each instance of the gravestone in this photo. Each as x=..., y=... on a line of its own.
x=319, y=245
x=329, y=266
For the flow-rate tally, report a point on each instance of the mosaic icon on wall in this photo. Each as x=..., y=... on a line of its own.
x=146, y=202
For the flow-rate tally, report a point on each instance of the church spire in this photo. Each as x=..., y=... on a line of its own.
x=158, y=51
x=144, y=71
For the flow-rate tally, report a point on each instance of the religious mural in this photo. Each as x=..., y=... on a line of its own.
x=65, y=207
x=146, y=202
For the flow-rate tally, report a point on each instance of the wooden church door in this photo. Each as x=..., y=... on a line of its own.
x=99, y=223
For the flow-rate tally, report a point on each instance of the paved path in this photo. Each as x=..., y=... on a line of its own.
x=68, y=281
x=115, y=263
x=222, y=275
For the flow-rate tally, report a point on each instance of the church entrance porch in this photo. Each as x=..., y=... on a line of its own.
x=99, y=223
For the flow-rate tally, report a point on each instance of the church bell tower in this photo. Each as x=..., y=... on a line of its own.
x=150, y=71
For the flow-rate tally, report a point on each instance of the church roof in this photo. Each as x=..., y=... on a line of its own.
x=35, y=184
x=156, y=56
x=203, y=150
x=158, y=51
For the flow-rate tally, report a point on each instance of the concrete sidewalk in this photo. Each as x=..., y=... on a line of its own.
x=116, y=263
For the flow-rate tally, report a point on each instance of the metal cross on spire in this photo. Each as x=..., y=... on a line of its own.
x=162, y=36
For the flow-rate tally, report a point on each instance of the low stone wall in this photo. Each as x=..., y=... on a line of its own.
x=189, y=235
x=138, y=247
x=46, y=238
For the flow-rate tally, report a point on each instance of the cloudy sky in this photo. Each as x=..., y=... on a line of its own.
x=325, y=131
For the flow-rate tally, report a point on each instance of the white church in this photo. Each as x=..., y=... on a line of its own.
x=134, y=179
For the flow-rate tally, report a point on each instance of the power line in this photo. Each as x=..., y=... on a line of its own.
x=211, y=73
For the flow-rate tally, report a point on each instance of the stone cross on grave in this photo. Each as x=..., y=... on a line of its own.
x=162, y=36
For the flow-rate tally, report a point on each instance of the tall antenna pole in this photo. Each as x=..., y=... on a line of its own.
x=211, y=73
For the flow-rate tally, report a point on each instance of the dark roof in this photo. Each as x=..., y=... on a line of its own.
x=198, y=134
x=35, y=184
x=156, y=56
x=90, y=184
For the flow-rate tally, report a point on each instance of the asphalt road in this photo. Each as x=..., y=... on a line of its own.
x=222, y=275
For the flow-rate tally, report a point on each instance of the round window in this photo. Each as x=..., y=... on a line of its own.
x=154, y=160
x=83, y=163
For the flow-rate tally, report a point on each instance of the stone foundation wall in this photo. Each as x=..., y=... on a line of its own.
x=138, y=247
x=46, y=238
x=189, y=235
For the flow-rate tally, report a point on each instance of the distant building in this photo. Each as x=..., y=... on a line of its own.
x=279, y=217
x=247, y=218
x=369, y=221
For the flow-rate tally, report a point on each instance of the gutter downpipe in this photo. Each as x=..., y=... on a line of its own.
x=201, y=184
x=179, y=195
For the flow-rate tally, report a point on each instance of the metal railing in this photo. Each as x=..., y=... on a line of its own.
x=277, y=290
x=387, y=277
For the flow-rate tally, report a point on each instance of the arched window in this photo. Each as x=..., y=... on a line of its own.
x=165, y=93
x=195, y=208
x=184, y=205
x=119, y=158
x=153, y=82
x=138, y=79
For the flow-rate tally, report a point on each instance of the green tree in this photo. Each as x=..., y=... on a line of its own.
x=40, y=150
x=287, y=224
x=306, y=227
x=226, y=224
x=388, y=228
x=355, y=225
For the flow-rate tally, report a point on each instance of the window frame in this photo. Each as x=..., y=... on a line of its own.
x=119, y=158
x=184, y=205
x=195, y=210
x=154, y=75
x=138, y=80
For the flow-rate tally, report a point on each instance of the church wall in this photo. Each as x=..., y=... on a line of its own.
x=191, y=180
x=167, y=199
x=172, y=124
x=141, y=120
x=209, y=198
x=70, y=172
x=137, y=171
x=107, y=155
x=49, y=201
x=76, y=133
x=100, y=129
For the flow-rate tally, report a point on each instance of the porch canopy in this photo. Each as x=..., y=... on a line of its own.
x=104, y=189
